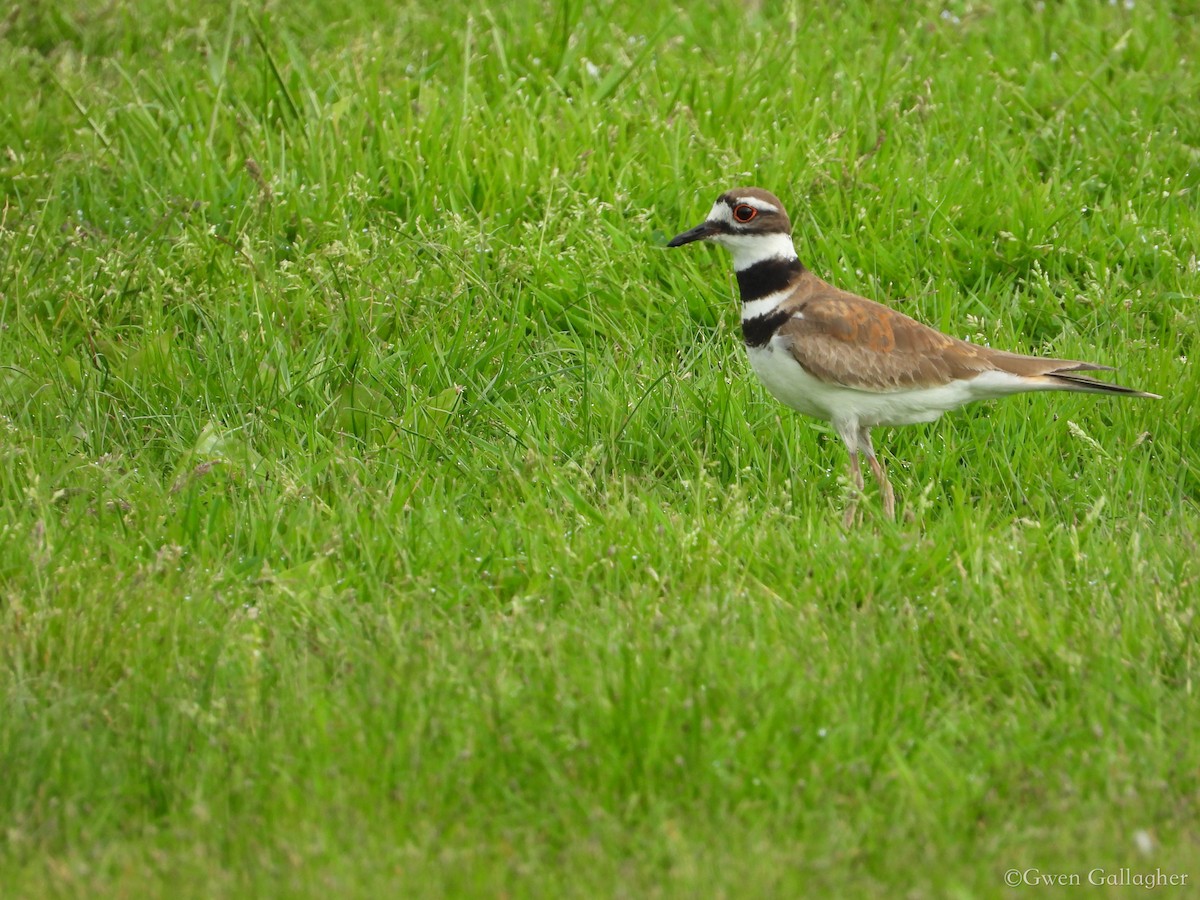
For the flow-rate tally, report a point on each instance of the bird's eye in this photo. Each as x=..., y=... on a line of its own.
x=744, y=212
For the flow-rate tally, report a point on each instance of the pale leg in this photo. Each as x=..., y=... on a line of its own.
x=885, y=486
x=856, y=477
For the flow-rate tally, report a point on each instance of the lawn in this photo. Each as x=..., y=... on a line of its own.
x=384, y=511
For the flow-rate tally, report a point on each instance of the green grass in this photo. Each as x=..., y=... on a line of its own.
x=384, y=512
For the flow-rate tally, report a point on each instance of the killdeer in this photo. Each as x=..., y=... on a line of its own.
x=853, y=362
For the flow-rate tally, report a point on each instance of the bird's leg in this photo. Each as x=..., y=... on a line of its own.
x=856, y=477
x=849, y=432
x=889, y=496
x=885, y=486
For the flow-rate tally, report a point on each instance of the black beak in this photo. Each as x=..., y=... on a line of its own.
x=699, y=233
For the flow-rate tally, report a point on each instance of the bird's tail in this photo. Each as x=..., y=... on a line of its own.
x=1061, y=374
x=1070, y=381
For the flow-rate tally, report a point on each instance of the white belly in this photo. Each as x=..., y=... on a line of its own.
x=791, y=385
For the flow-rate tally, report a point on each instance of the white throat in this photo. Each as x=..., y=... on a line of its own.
x=748, y=249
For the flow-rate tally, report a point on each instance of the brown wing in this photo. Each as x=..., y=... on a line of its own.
x=848, y=340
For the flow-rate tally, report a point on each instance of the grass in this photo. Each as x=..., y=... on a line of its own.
x=385, y=512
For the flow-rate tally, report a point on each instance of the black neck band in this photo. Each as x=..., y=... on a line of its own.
x=767, y=277
x=757, y=332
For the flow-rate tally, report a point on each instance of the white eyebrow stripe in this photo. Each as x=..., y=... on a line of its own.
x=760, y=205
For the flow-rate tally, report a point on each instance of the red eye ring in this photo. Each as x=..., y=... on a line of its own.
x=744, y=213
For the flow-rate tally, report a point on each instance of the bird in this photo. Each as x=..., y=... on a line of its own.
x=850, y=361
